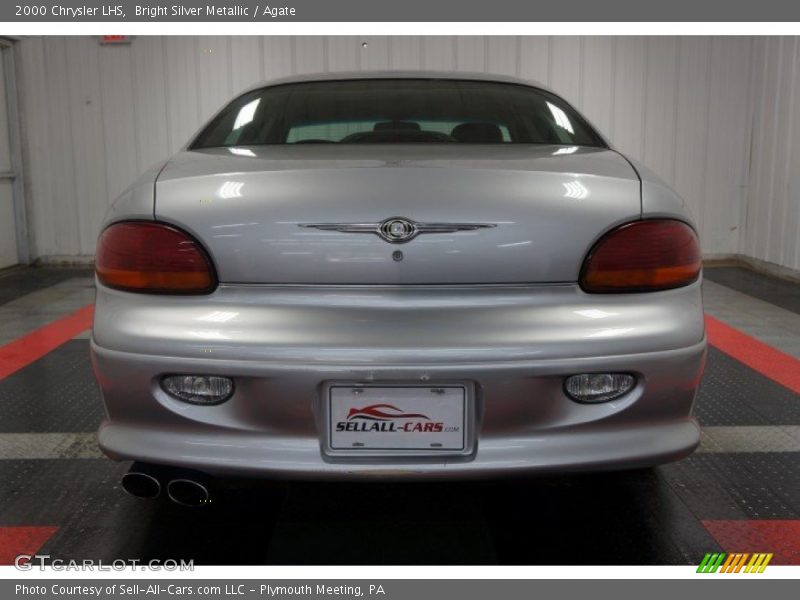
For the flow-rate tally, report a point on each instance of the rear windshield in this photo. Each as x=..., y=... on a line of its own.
x=389, y=111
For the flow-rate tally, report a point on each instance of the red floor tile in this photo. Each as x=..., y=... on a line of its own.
x=782, y=538
x=22, y=540
x=23, y=351
x=778, y=366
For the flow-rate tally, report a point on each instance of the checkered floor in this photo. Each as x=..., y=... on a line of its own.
x=739, y=492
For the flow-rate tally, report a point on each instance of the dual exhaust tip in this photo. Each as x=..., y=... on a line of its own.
x=187, y=488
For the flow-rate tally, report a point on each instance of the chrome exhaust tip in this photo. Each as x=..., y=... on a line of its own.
x=140, y=482
x=188, y=492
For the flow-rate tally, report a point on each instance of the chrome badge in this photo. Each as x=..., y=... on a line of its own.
x=397, y=230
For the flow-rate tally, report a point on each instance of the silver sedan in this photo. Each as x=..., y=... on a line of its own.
x=396, y=275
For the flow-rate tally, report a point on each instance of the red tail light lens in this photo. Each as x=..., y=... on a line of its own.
x=643, y=256
x=140, y=256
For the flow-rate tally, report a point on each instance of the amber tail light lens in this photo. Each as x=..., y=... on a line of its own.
x=643, y=256
x=146, y=257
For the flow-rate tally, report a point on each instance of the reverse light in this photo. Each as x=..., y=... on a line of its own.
x=148, y=257
x=598, y=387
x=643, y=256
x=198, y=389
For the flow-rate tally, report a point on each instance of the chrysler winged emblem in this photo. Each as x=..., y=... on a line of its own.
x=398, y=230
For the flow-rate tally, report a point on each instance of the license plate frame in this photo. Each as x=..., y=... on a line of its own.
x=413, y=398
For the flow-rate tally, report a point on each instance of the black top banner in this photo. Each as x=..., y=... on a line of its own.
x=401, y=10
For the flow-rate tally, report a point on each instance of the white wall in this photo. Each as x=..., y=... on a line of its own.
x=773, y=199
x=8, y=237
x=94, y=117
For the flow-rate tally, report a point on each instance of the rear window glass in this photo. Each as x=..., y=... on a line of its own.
x=397, y=111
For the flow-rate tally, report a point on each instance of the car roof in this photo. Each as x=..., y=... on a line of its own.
x=399, y=74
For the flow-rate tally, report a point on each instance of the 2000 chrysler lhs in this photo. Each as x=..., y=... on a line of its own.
x=404, y=275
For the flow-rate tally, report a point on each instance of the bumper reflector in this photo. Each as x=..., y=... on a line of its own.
x=198, y=389
x=598, y=387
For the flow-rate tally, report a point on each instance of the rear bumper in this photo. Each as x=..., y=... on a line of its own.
x=587, y=449
x=514, y=346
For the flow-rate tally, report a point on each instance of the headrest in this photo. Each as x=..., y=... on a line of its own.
x=396, y=126
x=477, y=133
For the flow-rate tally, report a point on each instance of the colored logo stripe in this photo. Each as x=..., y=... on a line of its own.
x=758, y=563
x=734, y=562
x=711, y=562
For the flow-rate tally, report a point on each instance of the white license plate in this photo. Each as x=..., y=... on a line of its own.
x=394, y=419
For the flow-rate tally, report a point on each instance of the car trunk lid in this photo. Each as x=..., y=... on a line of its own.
x=544, y=207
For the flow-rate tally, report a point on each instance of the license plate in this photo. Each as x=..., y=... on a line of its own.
x=398, y=419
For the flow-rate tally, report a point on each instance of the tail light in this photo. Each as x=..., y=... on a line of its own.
x=141, y=256
x=643, y=256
